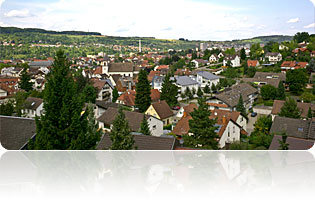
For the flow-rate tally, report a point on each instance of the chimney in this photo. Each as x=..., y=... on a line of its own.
x=224, y=119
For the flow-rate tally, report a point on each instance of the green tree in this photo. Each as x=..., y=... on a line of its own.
x=199, y=92
x=268, y=92
x=90, y=93
x=243, y=54
x=297, y=80
x=188, y=93
x=63, y=126
x=213, y=88
x=121, y=136
x=81, y=81
x=240, y=106
x=307, y=97
x=202, y=128
x=7, y=109
x=261, y=138
x=115, y=95
x=143, y=89
x=169, y=91
x=283, y=143
x=245, y=68
x=290, y=109
x=311, y=66
x=19, y=99
x=301, y=37
x=207, y=89
x=25, y=79
x=281, y=91
x=144, y=127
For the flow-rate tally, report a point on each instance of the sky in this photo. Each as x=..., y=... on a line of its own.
x=164, y=19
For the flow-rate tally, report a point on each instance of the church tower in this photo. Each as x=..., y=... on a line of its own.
x=139, y=46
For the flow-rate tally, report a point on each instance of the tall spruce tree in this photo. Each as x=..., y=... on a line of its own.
x=115, y=95
x=121, y=136
x=283, y=143
x=144, y=127
x=143, y=89
x=207, y=89
x=280, y=91
x=199, y=92
x=243, y=54
x=62, y=126
x=290, y=109
x=169, y=92
x=240, y=106
x=203, y=129
x=25, y=83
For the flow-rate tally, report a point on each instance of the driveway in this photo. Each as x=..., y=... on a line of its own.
x=250, y=123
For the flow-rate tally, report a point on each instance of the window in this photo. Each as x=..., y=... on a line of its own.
x=154, y=127
x=228, y=131
x=233, y=129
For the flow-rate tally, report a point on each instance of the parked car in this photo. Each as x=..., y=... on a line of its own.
x=254, y=114
x=176, y=108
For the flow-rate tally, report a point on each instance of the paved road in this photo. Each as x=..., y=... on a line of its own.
x=250, y=123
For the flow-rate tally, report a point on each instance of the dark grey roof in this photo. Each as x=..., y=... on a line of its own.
x=32, y=103
x=298, y=128
x=158, y=79
x=185, y=80
x=273, y=54
x=15, y=132
x=38, y=64
x=207, y=75
x=106, y=105
x=294, y=143
x=230, y=57
x=232, y=95
x=134, y=118
x=142, y=142
x=120, y=67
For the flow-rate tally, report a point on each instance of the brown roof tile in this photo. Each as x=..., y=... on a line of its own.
x=163, y=109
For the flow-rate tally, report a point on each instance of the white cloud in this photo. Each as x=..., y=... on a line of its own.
x=310, y=26
x=18, y=13
x=1, y=2
x=294, y=20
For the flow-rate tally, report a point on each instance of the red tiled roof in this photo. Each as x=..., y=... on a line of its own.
x=155, y=95
x=252, y=63
x=128, y=98
x=98, y=70
x=162, y=67
x=218, y=105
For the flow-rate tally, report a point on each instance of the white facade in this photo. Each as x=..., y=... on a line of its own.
x=213, y=58
x=32, y=113
x=203, y=81
x=275, y=59
x=3, y=93
x=236, y=62
x=232, y=133
x=156, y=126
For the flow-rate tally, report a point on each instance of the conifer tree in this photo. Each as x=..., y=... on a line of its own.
x=280, y=91
x=240, y=106
x=243, y=54
x=290, y=109
x=213, y=88
x=207, y=89
x=169, y=92
x=121, y=136
x=144, y=127
x=199, y=92
x=115, y=95
x=143, y=89
x=25, y=83
x=188, y=93
x=283, y=143
x=202, y=128
x=62, y=126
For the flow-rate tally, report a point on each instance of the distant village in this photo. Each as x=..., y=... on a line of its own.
x=250, y=92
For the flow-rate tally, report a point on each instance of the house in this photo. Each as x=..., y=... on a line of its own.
x=213, y=58
x=301, y=133
x=12, y=71
x=15, y=132
x=41, y=63
x=102, y=106
x=125, y=83
x=200, y=62
x=6, y=92
x=220, y=55
x=127, y=98
x=266, y=78
x=33, y=107
x=234, y=59
x=123, y=69
x=252, y=63
x=291, y=65
x=142, y=142
x=229, y=98
x=155, y=95
x=11, y=82
x=104, y=89
x=303, y=107
x=206, y=78
x=134, y=121
x=182, y=72
x=157, y=82
x=184, y=82
x=274, y=57
x=186, y=110
x=313, y=54
x=152, y=74
x=230, y=126
x=162, y=111
x=161, y=67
